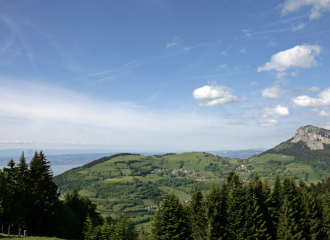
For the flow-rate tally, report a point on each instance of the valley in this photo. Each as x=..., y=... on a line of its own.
x=134, y=184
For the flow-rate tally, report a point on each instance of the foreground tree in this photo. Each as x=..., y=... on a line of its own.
x=43, y=196
x=196, y=214
x=170, y=221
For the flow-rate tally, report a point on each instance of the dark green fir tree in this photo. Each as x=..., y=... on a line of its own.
x=170, y=221
x=196, y=213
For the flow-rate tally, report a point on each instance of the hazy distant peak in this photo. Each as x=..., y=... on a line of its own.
x=314, y=137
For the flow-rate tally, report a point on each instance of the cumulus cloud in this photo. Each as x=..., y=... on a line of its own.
x=324, y=114
x=278, y=111
x=317, y=7
x=321, y=100
x=211, y=96
x=299, y=56
x=294, y=74
x=271, y=115
x=272, y=92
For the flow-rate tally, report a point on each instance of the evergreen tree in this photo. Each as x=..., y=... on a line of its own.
x=291, y=220
x=44, y=196
x=274, y=203
x=216, y=202
x=5, y=199
x=170, y=221
x=313, y=214
x=196, y=214
x=83, y=207
x=22, y=189
x=13, y=207
x=256, y=211
x=236, y=209
x=88, y=229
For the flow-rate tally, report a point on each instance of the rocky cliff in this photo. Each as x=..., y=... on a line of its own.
x=314, y=137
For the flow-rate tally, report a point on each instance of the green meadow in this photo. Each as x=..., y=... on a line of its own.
x=128, y=183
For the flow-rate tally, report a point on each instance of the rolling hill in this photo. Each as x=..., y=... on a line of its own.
x=134, y=184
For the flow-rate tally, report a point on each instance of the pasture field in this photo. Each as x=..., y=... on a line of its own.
x=128, y=183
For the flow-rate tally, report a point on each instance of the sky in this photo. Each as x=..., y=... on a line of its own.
x=162, y=74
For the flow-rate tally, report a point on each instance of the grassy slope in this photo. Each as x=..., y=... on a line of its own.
x=120, y=175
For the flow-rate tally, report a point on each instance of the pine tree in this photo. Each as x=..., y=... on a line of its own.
x=216, y=202
x=170, y=221
x=274, y=203
x=44, y=196
x=313, y=214
x=256, y=212
x=13, y=207
x=236, y=209
x=22, y=190
x=88, y=229
x=5, y=199
x=196, y=213
x=291, y=220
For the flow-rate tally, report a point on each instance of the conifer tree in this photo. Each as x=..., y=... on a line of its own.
x=313, y=214
x=44, y=196
x=256, y=211
x=170, y=221
x=196, y=214
x=236, y=209
x=13, y=207
x=22, y=190
x=5, y=199
x=274, y=203
x=88, y=229
x=291, y=220
x=216, y=202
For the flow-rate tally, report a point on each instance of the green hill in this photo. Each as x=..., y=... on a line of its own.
x=129, y=183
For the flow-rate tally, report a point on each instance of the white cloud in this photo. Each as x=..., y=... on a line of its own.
x=224, y=52
x=271, y=114
x=318, y=7
x=254, y=83
x=322, y=99
x=272, y=92
x=214, y=96
x=278, y=111
x=324, y=114
x=300, y=26
x=242, y=50
x=293, y=74
x=223, y=66
x=299, y=56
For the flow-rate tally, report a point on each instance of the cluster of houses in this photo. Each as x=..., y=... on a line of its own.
x=188, y=173
x=152, y=207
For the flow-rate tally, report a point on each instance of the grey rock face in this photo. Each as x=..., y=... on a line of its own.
x=314, y=137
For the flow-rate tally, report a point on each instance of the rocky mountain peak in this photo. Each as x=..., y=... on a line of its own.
x=314, y=137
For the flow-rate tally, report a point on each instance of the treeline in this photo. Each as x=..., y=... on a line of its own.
x=247, y=211
x=29, y=199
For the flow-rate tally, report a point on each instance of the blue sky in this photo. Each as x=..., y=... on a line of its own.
x=162, y=75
